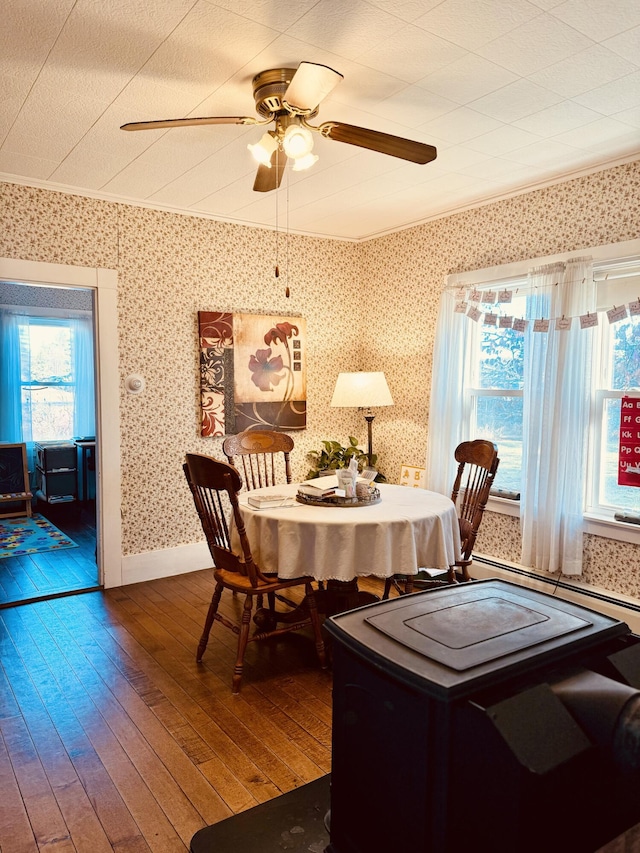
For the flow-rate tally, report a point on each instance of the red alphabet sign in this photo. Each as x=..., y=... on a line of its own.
x=629, y=456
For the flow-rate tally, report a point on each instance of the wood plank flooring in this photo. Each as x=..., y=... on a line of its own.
x=113, y=738
x=52, y=573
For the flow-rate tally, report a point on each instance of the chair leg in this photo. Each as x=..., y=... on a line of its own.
x=211, y=615
x=464, y=566
x=315, y=622
x=395, y=581
x=243, y=639
x=387, y=588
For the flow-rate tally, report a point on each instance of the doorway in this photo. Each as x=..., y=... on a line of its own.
x=107, y=550
x=47, y=381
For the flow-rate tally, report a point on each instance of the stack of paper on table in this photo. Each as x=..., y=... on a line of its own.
x=321, y=487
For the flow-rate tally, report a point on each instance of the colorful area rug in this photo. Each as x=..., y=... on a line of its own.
x=22, y=536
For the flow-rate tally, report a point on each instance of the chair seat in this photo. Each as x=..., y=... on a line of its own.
x=241, y=583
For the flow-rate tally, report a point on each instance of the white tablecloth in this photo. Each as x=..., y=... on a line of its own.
x=409, y=529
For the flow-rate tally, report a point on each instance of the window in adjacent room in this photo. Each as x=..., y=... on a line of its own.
x=47, y=376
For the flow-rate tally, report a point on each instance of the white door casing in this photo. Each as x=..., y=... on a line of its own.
x=108, y=486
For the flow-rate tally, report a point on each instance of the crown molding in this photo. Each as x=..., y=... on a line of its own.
x=485, y=201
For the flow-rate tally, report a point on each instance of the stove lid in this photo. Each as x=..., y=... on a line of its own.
x=473, y=634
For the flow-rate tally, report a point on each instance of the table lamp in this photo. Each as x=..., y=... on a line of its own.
x=362, y=391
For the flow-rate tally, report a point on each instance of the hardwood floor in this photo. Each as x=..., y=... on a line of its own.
x=113, y=738
x=52, y=573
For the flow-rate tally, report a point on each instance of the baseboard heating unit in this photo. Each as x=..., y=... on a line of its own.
x=621, y=607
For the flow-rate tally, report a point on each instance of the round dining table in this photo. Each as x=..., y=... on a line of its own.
x=408, y=529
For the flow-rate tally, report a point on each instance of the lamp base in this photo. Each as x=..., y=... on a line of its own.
x=369, y=419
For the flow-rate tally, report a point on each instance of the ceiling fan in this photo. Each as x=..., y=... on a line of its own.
x=288, y=97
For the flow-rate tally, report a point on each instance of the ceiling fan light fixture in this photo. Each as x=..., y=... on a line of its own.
x=263, y=149
x=305, y=162
x=297, y=141
x=288, y=98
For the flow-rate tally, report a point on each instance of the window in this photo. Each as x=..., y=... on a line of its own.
x=495, y=382
x=537, y=367
x=47, y=378
x=495, y=391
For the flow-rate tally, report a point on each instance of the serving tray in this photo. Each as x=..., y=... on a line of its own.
x=337, y=501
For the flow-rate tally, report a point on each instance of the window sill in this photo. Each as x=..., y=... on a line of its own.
x=607, y=526
x=503, y=506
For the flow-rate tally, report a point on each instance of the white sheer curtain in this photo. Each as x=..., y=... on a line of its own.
x=10, y=388
x=447, y=403
x=84, y=408
x=556, y=416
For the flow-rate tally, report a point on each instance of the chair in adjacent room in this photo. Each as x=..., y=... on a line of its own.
x=263, y=456
x=215, y=485
x=15, y=493
x=477, y=465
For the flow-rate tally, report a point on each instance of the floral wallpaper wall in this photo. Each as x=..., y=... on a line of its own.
x=403, y=274
x=169, y=268
x=371, y=305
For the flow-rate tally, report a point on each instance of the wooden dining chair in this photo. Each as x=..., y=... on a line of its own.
x=477, y=465
x=215, y=486
x=263, y=456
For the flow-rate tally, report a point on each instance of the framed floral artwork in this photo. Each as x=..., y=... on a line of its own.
x=252, y=372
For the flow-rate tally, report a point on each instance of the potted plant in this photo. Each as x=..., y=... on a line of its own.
x=335, y=455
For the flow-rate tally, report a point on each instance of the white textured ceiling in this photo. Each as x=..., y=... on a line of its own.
x=511, y=92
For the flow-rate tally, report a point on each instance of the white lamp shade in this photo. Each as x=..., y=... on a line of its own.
x=361, y=390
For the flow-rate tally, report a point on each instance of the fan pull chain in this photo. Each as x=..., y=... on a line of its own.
x=277, y=268
x=287, y=292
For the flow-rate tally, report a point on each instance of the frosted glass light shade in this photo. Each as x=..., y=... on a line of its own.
x=263, y=150
x=361, y=390
x=304, y=162
x=297, y=141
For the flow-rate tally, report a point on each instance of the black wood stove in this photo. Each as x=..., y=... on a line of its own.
x=483, y=717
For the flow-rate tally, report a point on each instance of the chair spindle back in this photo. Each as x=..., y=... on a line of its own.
x=264, y=456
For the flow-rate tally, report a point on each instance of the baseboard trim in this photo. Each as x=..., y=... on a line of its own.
x=621, y=607
x=151, y=565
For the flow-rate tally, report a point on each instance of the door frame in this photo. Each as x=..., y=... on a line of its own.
x=108, y=479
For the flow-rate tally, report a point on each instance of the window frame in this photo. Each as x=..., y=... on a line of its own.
x=601, y=392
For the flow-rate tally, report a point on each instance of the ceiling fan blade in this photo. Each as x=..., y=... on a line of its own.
x=311, y=84
x=268, y=179
x=188, y=122
x=375, y=140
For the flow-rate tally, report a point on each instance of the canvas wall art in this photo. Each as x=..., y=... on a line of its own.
x=252, y=372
